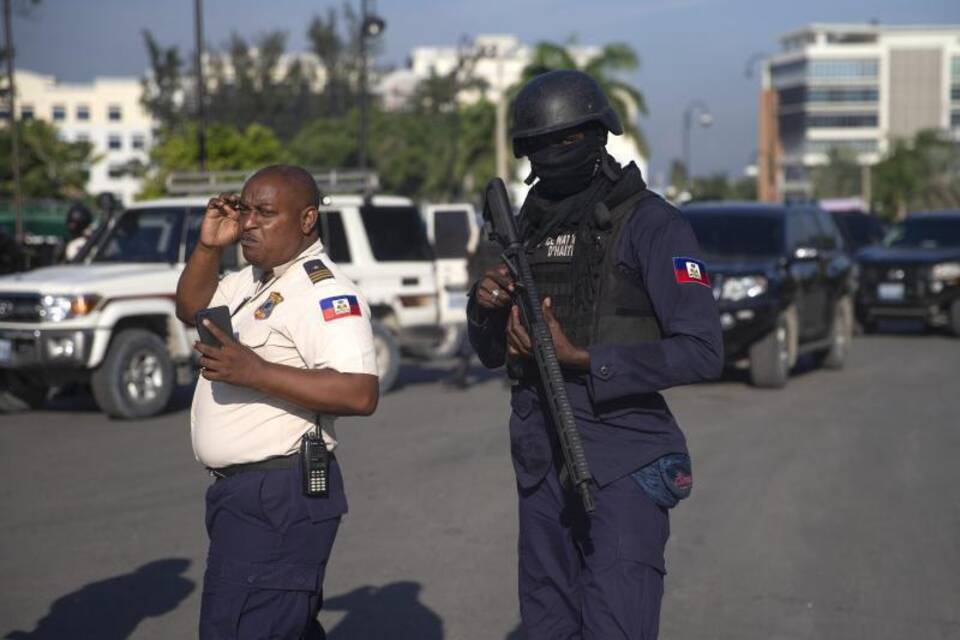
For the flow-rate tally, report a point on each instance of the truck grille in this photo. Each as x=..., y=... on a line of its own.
x=19, y=307
x=913, y=277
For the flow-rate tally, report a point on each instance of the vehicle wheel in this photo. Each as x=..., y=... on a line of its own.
x=770, y=357
x=955, y=317
x=136, y=378
x=388, y=356
x=841, y=335
x=21, y=393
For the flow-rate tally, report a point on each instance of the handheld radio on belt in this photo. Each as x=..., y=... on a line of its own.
x=315, y=462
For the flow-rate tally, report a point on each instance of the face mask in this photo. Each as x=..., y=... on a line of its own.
x=565, y=170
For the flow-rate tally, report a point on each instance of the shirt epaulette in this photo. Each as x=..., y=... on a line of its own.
x=317, y=271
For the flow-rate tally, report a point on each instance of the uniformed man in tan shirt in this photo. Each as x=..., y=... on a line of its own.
x=302, y=351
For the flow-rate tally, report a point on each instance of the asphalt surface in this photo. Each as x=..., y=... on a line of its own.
x=826, y=510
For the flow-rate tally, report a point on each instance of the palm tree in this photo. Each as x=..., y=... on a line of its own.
x=614, y=58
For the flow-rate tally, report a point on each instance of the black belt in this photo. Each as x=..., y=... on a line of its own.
x=278, y=462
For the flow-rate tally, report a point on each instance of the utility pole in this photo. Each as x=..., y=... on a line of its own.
x=362, y=151
x=371, y=26
x=501, y=128
x=201, y=87
x=12, y=121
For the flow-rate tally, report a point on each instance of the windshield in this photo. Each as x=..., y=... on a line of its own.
x=143, y=235
x=925, y=233
x=858, y=229
x=396, y=233
x=733, y=234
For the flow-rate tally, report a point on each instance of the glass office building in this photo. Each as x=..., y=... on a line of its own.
x=854, y=89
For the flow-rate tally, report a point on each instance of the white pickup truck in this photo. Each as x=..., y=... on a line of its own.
x=109, y=320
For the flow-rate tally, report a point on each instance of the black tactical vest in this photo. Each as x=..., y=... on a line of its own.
x=615, y=307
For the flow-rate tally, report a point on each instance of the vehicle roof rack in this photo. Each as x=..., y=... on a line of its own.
x=210, y=183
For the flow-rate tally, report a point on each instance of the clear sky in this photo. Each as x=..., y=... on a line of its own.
x=689, y=49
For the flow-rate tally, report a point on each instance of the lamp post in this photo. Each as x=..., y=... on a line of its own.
x=371, y=26
x=201, y=88
x=12, y=117
x=699, y=110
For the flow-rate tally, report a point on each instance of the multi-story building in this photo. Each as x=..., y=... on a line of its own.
x=856, y=88
x=106, y=112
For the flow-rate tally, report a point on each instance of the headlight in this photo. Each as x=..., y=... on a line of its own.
x=738, y=288
x=946, y=271
x=59, y=308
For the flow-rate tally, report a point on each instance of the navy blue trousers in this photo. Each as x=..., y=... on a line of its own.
x=269, y=546
x=596, y=578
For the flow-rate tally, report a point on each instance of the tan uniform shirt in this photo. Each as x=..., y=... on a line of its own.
x=309, y=315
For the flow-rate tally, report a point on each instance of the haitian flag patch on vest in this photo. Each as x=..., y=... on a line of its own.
x=340, y=307
x=690, y=270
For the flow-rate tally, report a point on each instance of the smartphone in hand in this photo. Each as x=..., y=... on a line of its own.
x=219, y=316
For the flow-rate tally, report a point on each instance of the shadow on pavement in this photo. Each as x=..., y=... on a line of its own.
x=392, y=611
x=420, y=372
x=111, y=609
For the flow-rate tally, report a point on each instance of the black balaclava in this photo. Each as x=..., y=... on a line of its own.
x=566, y=170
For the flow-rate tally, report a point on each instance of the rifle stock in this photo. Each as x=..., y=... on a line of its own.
x=499, y=216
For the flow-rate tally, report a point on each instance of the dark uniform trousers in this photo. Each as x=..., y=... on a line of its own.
x=269, y=546
x=596, y=578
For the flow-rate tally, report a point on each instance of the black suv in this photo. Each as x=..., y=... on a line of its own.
x=783, y=282
x=915, y=273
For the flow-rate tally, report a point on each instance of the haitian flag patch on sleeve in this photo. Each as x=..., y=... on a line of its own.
x=340, y=307
x=689, y=270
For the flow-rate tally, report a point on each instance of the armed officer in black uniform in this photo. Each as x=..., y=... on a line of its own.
x=631, y=310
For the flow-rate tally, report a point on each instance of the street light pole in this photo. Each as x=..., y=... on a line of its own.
x=201, y=88
x=12, y=120
x=362, y=152
x=705, y=119
x=501, y=128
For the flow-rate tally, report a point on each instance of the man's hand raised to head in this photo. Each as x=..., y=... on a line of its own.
x=231, y=362
x=221, y=222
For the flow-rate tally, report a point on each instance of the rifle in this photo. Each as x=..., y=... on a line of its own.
x=502, y=226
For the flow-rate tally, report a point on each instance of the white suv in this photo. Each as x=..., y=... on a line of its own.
x=110, y=319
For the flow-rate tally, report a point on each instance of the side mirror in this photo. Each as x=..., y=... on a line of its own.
x=803, y=254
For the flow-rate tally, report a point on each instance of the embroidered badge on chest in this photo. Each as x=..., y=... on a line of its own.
x=264, y=310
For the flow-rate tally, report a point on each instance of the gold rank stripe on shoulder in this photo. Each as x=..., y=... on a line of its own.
x=320, y=275
x=317, y=271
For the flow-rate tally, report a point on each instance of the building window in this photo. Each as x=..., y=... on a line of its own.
x=26, y=112
x=955, y=67
x=83, y=137
x=59, y=113
x=955, y=119
x=824, y=69
x=116, y=170
x=138, y=141
x=854, y=146
x=114, y=142
x=114, y=113
x=955, y=92
x=83, y=112
x=832, y=120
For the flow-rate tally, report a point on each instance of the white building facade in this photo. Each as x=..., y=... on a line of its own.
x=106, y=112
x=859, y=88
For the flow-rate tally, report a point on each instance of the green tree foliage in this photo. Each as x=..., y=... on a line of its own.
x=227, y=148
x=606, y=68
x=923, y=173
x=840, y=177
x=49, y=167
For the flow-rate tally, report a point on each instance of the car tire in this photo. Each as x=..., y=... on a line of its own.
x=388, y=356
x=20, y=393
x=771, y=358
x=841, y=335
x=136, y=378
x=955, y=318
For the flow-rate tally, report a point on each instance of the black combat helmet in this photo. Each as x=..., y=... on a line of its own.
x=560, y=100
x=78, y=216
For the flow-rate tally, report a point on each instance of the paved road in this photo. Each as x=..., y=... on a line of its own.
x=828, y=510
